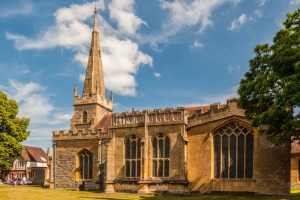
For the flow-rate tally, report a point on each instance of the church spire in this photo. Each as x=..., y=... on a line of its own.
x=94, y=79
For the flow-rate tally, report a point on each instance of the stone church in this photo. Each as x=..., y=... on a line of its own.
x=183, y=150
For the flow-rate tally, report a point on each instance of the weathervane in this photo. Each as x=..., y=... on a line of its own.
x=95, y=6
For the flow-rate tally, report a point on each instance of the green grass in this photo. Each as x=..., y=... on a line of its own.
x=40, y=193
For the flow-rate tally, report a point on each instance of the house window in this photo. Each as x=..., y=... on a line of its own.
x=84, y=119
x=20, y=164
x=160, y=156
x=31, y=174
x=86, y=164
x=233, y=152
x=133, y=156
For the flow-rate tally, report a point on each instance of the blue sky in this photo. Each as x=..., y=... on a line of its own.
x=156, y=53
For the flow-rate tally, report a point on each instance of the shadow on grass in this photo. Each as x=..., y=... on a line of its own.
x=125, y=196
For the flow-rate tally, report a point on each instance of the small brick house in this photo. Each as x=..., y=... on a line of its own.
x=32, y=164
x=202, y=149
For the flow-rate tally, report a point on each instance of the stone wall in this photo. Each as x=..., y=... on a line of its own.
x=271, y=164
x=39, y=176
x=145, y=125
x=67, y=163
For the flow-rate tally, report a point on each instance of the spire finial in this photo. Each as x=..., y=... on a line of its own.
x=95, y=28
x=95, y=7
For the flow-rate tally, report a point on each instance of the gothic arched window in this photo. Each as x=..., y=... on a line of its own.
x=85, y=164
x=84, y=118
x=233, y=152
x=133, y=156
x=160, y=156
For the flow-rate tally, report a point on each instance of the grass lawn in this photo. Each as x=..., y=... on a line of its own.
x=40, y=193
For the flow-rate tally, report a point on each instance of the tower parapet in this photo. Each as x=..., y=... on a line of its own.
x=93, y=99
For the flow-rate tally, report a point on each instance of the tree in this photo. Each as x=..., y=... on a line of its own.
x=270, y=90
x=12, y=131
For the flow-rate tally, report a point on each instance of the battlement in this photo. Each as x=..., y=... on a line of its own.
x=79, y=134
x=216, y=111
x=92, y=99
x=149, y=116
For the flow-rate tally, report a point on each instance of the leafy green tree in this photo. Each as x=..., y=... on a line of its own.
x=270, y=90
x=12, y=131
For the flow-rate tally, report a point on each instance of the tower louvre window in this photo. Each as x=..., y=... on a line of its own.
x=84, y=118
x=233, y=152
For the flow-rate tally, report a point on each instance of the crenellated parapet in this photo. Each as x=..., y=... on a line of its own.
x=79, y=134
x=168, y=115
x=216, y=111
x=93, y=99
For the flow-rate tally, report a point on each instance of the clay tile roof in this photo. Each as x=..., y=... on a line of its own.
x=104, y=123
x=295, y=147
x=197, y=107
x=34, y=154
x=191, y=110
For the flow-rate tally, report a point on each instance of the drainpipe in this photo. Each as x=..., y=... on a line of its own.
x=102, y=165
x=54, y=163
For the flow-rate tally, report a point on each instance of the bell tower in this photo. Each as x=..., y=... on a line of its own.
x=93, y=105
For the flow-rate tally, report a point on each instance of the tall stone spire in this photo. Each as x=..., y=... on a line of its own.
x=94, y=79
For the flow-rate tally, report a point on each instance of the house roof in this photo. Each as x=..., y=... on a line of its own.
x=104, y=123
x=34, y=154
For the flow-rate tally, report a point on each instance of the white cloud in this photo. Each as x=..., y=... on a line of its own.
x=236, y=24
x=34, y=103
x=185, y=13
x=232, y=69
x=62, y=116
x=295, y=2
x=196, y=44
x=123, y=13
x=122, y=60
x=23, y=8
x=70, y=31
x=261, y=2
x=157, y=75
x=121, y=57
x=258, y=13
x=222, y=98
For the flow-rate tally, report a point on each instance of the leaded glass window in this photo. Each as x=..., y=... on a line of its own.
x=233, y=152
x=160, y=156
x=133, y=156
x=85, y=164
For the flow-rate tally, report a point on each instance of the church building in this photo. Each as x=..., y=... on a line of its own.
x=183, y=150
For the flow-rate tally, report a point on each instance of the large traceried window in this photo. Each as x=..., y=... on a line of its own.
x=85, y=164
x=161, y=156
x=233, y=152
x=133, y=156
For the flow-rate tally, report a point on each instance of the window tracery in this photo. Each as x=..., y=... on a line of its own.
x=85, y=164
x=160, y=155
x=133, y=156
x=233, y=152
